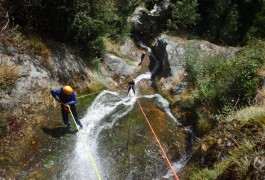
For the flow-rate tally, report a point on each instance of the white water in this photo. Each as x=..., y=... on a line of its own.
x=106, y=109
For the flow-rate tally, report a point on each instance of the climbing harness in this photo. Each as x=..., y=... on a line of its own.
x=157, y=140
x=88, y=152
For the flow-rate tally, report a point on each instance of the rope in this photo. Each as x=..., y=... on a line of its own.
x=82, y=138
x=157, y=140
x=89, y=94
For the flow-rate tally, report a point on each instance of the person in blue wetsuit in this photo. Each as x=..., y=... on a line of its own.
x=131, y=85
x=66, y=96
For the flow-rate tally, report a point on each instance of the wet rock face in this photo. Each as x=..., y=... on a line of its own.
x=129, y=150
x=37, y=75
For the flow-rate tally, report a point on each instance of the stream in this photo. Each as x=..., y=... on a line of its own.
x=121, y=144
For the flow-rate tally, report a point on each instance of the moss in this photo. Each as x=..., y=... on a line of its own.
x=130, y=143
x=85, y=101
x=49, y=160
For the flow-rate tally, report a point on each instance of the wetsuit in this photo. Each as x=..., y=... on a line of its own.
x=142, y=58
x=131, y=85
x=59, y=95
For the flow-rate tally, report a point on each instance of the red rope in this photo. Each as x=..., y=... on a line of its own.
x=174, y=172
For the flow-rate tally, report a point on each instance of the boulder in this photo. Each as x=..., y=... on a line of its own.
x=171, y=52
x=116, y=69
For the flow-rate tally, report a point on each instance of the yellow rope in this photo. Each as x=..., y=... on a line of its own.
x=89, y=94
x=88, y=152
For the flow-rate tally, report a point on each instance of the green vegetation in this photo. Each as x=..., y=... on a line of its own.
x=85, y=102
x=49, y=160
x=80, y=23
x=230, y=131
x=223, y=83
x=219, y=21
x=227, y=21
x=96, y=63
x=230, y=138
x=228, y=151
x=85, y=23
x=8, y=76
x=87, y=96
x=183, y=15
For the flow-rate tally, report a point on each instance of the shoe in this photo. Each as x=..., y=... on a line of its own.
x=80, y=126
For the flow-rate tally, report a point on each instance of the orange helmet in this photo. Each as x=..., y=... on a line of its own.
x=67, y=90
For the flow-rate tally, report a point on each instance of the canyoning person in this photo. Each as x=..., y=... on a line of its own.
x=66, y=96
x=142, y=58
x=131, y=85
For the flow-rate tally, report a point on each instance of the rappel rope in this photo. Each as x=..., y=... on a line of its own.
x=170, y=165
x=150, y=126
x=88, y=152
x=88, y=94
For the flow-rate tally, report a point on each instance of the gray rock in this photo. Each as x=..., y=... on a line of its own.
x=117, y=68
x=171, y=52
x=37, y=76
x=144, y=24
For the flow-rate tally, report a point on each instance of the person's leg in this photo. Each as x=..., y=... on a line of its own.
x=129, y=90
x=133, y=88
x=65, y=116
x=73, y=109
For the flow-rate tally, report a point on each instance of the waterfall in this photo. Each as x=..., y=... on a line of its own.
x=106, y=109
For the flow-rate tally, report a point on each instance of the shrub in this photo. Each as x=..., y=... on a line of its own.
x=221, y=80
x=96, y=63
x=222, y=83
x=8, y=76
x=205, y=122
x=183, y=15
x=258, y=27
x=35, y=46
x=226, y=21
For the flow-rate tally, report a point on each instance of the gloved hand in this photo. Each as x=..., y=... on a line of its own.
x=66, y=108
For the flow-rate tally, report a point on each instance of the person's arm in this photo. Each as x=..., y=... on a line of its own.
x=55, y=93
x=73, y=99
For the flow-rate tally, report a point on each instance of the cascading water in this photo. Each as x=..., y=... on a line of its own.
x=104, y=112
x=107, y=104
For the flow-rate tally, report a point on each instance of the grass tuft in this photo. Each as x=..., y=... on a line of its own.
x=8, y=76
